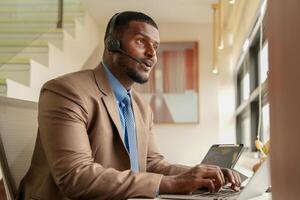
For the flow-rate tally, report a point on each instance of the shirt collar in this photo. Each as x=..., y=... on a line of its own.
x=119, y=90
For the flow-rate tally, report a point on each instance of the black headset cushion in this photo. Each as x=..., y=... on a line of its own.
x=112, y=44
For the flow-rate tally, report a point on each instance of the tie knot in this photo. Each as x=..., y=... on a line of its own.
x=126, y=100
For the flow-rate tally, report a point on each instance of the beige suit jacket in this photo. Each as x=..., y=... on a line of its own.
x=79, y=151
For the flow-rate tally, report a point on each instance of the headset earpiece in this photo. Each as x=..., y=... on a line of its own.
x=112, y=43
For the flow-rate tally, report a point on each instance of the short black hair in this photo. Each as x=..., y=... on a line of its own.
x=125, y=17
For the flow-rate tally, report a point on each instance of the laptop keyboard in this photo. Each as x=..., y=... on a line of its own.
x=225, y=192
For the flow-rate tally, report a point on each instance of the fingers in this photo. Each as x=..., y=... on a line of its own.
x=208, y=183
x=216, y=172
x=233, y=177
x=237, y=178
x=216, y=177
x=206, y=176
x=213, y=173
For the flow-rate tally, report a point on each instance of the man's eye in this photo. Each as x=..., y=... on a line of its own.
x=140, y=42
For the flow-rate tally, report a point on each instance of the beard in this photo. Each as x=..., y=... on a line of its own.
x=136, y=77
x=132, y=71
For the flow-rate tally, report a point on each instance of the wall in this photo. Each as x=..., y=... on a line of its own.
x=217, y=92
x=188, y=143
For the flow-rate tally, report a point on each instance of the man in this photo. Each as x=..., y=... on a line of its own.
x=95, y=137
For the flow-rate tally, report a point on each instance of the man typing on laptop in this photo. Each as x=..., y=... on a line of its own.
x=201, y=176
x=95, y=137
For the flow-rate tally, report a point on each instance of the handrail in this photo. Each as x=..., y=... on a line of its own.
x=60, y=13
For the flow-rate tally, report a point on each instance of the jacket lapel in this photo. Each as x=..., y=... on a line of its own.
x=110, y=103
x=108, y=98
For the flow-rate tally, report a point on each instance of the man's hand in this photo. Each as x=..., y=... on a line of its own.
x=201, y=176
x=232, y=177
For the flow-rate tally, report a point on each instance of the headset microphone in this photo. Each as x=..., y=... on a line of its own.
x=113, y=44
x=132, y=57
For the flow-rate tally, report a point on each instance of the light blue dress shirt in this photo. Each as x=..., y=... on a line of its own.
x=121, y=93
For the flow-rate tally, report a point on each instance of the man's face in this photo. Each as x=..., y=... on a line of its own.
x=141, y=41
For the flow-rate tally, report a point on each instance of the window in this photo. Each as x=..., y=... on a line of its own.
x=245, y=87
x=264, y=64
x=265, y=131
x=245, y=132
x=251, y=80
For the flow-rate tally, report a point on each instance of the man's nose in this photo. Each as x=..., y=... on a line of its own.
x=150, y=51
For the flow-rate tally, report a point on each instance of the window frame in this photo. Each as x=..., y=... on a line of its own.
x=249, y=62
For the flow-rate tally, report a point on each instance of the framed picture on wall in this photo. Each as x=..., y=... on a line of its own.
x=173, y=89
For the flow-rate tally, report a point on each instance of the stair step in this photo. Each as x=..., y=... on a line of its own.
x=41, y=57
x=28, y=49
x=38, y=39
x=3, y=87
x=17, y=46
x=38, y=17
x=35, y=2
x=37, y=9
x=14, y=60
x=35, y=20
x=2, y=81
x=31, y=36
x=33, y=25
x=16, y=71
x=9, y=43
x=13, y=67
x=41, y=15
x=35, y=30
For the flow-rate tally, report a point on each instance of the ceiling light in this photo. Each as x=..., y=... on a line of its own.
x=215, y=71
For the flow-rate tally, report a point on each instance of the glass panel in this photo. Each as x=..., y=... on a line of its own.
x=265, y=134
x=245, y=87
x=245, y=132
x=264, y=64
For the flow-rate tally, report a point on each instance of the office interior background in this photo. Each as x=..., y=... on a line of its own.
x=39, y=42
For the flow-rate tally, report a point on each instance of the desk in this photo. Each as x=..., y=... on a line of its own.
x=266, y=196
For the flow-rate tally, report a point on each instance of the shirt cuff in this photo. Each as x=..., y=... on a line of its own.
x=157, y=191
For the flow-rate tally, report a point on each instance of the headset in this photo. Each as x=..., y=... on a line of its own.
x=113, y=44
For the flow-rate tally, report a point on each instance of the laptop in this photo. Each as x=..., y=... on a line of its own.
x=256, y=186
x=223, y=155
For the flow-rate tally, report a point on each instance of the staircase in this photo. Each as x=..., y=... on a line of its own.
x=33, y=50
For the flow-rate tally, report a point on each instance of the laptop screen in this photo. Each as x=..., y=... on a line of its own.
x=223, y=155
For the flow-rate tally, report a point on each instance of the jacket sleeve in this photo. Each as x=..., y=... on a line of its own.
x=156, y=162
x=63, y=132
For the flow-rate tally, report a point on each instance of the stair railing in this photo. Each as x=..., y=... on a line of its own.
x=60, y=13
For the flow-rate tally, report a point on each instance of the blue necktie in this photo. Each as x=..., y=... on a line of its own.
x=130, y=136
